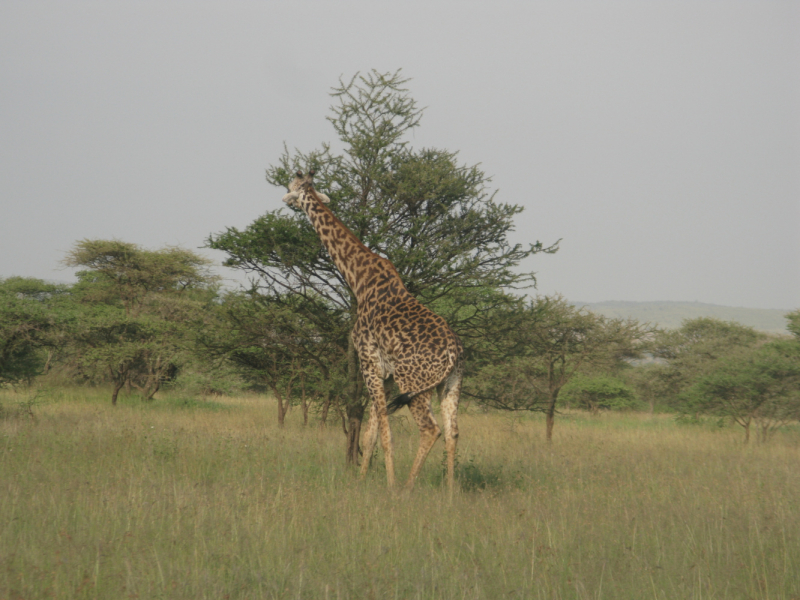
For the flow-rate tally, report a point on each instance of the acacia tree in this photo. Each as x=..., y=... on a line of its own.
x=753, y=382
x=33, y=315
x=435, y=219
x=277, y=346
x=758, y=386
x=140, y=308
x=552, y=342
x=126, y=275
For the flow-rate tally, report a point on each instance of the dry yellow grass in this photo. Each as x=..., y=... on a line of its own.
x=212, y=500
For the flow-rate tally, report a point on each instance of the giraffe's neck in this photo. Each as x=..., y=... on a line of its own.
x=349, y=255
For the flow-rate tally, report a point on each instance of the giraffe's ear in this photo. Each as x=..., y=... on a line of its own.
x=291, y=198
x=323, y=198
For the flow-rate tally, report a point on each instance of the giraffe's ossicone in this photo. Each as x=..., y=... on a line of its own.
x=395, y=336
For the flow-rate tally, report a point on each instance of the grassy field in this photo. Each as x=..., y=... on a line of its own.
x=184, y=498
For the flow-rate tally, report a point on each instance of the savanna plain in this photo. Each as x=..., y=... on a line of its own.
x=191, y=498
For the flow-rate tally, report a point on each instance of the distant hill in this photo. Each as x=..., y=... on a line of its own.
x=670, y=315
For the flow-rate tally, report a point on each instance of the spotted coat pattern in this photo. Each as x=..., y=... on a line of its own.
x=394, y=335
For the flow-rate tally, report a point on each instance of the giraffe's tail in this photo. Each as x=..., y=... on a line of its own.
x=399, y=402
x=405, y=399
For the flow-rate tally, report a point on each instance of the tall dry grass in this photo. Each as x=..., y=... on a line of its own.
x=191, y=499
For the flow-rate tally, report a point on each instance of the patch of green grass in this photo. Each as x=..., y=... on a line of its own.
x=15, y=405
x=472, y=476
x=179, y=402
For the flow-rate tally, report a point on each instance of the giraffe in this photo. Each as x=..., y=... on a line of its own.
x=394, y=336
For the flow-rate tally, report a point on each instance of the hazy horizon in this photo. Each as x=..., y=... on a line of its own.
x=659, y=141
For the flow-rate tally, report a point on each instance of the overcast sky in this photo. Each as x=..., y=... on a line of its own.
x=660, y=140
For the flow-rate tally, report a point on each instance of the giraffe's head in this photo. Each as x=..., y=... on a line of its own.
x=303, y=185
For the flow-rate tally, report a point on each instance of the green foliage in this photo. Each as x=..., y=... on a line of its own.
x=141, y=309
x=547, y=343
x=705, y=338
x=31, y=314
x=693, y=350
x=598, y=392
x=122, y=273
x=271, y=341
x=650, y=381
x=754, y=385
x=201, y=377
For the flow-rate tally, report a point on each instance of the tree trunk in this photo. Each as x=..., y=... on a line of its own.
x=747, y=431
x=152, y=392
x=551, y=415
x=550, y=422
x=117, y=387
x=551, y=407
x=303, y=403
x=325, y=407
x=553, y=388
x=154, y=377
x=355, y=408
x=282, y=409
x=353, y=437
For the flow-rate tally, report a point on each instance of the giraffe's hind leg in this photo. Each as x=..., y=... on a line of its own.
x=449, y=396
x=429, y=432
